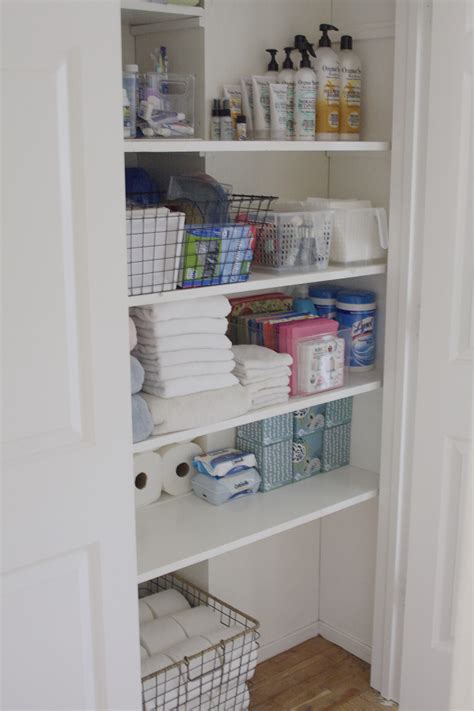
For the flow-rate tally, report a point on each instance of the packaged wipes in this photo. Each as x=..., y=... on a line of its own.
x=222, y=462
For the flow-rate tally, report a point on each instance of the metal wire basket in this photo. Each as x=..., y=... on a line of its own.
x=192, y=243
x=215, y=678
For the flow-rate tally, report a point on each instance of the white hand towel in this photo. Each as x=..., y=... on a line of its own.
x=187, y=386
x=197, y=620
x=186, y=342
x=259, y=357
x=270, y=392
x=177, y=326
x=197, y=410
x=264, y=385
x=200, y=355
x=165, y=603
x=155, y=374
x=247, y=377
x=270, y=400
x=209, y=306
x=158, y=635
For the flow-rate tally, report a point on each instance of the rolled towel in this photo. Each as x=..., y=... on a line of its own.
x=200, y=355
x=187, y=386
x=162, y=687
x=197, y=620
x=143, y=653
x=259, y=357
x=240, y=653
x=198, y=667
x=145, y=613
x=157, y=375
x=186, y=342
x=158, y=635
x=165, y=603
x=209, y=306
x=137, y=375
x=142, y=423
x=257, y=375
x=197, y=410
x=132, y=334
x=177, y=326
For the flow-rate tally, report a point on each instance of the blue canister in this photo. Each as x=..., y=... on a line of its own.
x=324, y=298
x=356, y=313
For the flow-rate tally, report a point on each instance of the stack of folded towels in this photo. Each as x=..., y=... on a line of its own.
x=264, y=373
x=170, y=630
x=142, y=424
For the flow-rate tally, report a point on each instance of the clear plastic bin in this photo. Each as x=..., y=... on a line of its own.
x=173, y=105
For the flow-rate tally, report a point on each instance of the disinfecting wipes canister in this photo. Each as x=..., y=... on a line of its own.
x=356, y=311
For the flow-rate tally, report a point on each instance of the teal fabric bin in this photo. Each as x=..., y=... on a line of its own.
x=338, y=412
x=336, y=447
x=268, y=431
x=307, y=453
x=274, y=461
x=307, y=421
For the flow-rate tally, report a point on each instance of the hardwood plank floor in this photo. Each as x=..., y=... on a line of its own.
x=312, y=676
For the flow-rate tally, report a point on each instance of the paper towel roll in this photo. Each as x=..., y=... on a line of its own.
x=158, y=635
x=166, y=602
x=177, y=469
x=147, y=474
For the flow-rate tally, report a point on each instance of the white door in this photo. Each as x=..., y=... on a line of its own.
x=70, y=627
x=438, y=603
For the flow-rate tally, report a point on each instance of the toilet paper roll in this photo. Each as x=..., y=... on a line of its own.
x=143, y=653
x=147, y=475
x=165, y=603
x=177, y=468
x=144, y=612
x=158, y=635
x=197, y=620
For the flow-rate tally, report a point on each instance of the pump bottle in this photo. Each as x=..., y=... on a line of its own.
x=351, y=81
x=287, y=76
x=306, y=87
x=272, y=69
x=328, y=72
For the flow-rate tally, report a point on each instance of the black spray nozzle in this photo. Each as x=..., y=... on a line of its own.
x=306, y=48
x=288, y=63
x=273, y=64
x=324, y=39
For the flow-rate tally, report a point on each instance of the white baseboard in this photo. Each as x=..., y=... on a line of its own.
x=346, y=641
x=291, y=640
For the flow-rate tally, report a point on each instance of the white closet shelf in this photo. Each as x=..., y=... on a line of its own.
x=145, y=12
x=196, y=145
x=358, y=383
x=181, y=531
x=261, y=280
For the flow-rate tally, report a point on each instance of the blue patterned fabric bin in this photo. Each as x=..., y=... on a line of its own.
x=274, y=462
x=307, y=453
x=336, y=447
x=308, y=420
x=268, y=431
x=338, y=412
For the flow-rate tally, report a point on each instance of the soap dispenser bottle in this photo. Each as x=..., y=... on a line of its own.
x=351, y=82
x=272, y=69
x=287, y=76
x=306, y=87
x=328, y=73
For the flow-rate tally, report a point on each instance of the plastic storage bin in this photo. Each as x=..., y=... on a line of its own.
x=268, y=431
x=308, y=420
x=336, y=447
x=214, y=678
x=173, y=108
x=294, y=240
x=338, y=412
x=274, y=462
x=307, y=455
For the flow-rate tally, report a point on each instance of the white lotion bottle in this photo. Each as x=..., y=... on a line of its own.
x=306, y=87
x=287, y=76
x=351, y=84
x=272, y=69
x=328, y=104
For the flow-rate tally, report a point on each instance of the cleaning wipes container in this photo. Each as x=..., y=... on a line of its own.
x=324, y=298
x=356, y=311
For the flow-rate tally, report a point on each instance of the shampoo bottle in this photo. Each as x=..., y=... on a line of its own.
x=287, y=76
x=351, y=81
x=328, y=73
x=272, y=69
x=305, y=92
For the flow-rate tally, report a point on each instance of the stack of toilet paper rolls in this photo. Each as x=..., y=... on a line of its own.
x=168, y=469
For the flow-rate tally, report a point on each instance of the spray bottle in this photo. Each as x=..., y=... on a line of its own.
x=287, y=76
x=328, y=73
x=305, y=92
x=272, y=69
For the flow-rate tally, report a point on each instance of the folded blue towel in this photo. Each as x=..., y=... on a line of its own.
x=137, y=375
x=141, y=419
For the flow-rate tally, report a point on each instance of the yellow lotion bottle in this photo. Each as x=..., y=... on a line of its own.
x=351, y=82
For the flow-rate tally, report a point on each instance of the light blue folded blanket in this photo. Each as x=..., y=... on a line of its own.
x=141, y=419
x=137, y=375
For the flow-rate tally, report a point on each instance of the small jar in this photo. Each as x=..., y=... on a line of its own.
x=356, y=311
x=241, y=128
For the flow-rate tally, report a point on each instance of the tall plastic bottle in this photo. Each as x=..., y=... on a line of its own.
x=287, y=76
x=328, y=72
x=306, y=87
x=130, y=84
x=272, y=69
x=351, y=83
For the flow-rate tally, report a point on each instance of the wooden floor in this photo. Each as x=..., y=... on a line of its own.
x=314, y=675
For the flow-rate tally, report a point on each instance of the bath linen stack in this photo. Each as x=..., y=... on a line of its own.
x=264, y=373
x=142, y=424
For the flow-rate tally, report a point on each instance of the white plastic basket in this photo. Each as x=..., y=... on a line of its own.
x=294, y=240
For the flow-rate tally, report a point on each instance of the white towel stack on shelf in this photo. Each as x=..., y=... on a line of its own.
x=183, y=347
x=264, y=373
x=171, y=630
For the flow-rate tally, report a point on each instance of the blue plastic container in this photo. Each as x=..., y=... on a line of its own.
x=356, y=310
x=324, y=298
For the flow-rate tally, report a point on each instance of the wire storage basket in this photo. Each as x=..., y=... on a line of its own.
x=215, y=678
x=192, y=243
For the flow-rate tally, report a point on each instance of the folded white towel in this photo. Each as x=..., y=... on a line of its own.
x=259, y=357
x=198, y=409
x=200, y=355
x=188, y=386
x=176, y=327
x=183, y=343
x=255, y=375
x=155, y=374
x=210, y=306
x=270, y=400
x=270, y=383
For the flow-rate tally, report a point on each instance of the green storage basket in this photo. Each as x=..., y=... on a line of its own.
x=338, y=412
x=336, y=447
x=268, y=431
x=274, y=461
x=307, y=454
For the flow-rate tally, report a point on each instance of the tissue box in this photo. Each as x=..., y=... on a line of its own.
x=336, y=447
x=308, y=420
x=274, y=462
x=307, y=452
x=268, y=431
x=338, y=412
